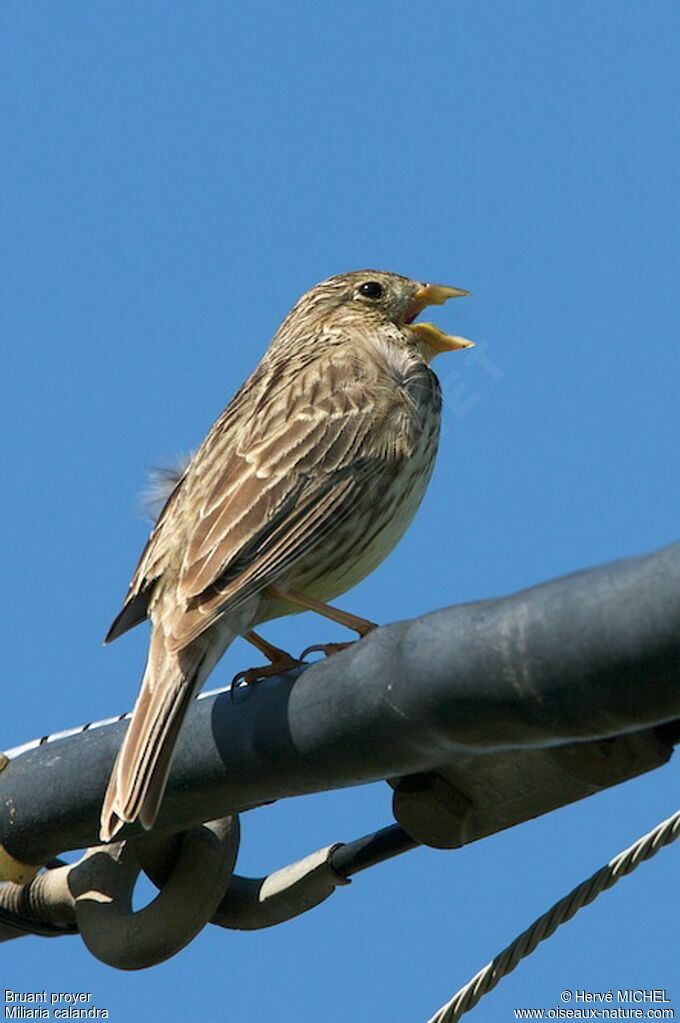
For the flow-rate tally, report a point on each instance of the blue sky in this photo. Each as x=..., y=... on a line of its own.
x=173, y=177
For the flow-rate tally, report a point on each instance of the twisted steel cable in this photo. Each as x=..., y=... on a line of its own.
x=606, y=877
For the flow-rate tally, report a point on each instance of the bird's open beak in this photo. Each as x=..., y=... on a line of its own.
x=437, y=294
x=436, y=339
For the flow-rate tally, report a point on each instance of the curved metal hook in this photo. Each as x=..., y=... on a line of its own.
x=254, y=902
x=103, y=882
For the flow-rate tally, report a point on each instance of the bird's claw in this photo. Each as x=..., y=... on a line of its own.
x=328, y=649
x=251, y=676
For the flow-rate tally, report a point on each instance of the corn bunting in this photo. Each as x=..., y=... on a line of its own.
x=303, y=485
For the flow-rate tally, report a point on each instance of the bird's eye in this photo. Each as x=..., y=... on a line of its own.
x=371, y=289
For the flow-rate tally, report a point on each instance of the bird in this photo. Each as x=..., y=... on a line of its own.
x=303, y=485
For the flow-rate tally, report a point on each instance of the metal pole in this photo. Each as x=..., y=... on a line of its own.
x=585, y=656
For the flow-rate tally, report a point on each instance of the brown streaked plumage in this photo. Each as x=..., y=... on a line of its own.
x=303, y=485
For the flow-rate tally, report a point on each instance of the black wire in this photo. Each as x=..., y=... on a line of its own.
x=348, y=859
x=370, y=850
x=26, y=925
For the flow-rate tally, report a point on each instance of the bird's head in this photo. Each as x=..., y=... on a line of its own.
x=375, y=297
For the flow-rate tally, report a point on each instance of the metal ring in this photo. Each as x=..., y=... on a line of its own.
x=104, y=880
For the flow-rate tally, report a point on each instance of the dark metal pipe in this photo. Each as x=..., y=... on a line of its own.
x=353, y=857
x=585, y=656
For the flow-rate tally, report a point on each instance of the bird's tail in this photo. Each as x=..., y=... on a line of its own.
x=141, y=769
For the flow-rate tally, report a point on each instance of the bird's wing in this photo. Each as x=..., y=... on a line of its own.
x=136, y=601
x=163, y=536
x=291, y=481
x=285, y=463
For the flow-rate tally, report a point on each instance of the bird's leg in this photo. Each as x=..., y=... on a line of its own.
x=350, y=621
x=360, y=625
x=280, y=661
x=273, y=653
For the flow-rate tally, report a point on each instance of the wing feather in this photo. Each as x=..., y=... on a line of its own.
x=254, y=493
x=282, y=467
x=311, y=520
x=135, y=605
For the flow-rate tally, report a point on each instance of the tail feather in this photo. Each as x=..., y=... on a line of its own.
x=141, y=770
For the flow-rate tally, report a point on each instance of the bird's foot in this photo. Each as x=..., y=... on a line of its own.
x=327, y=649
x=251, y=676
